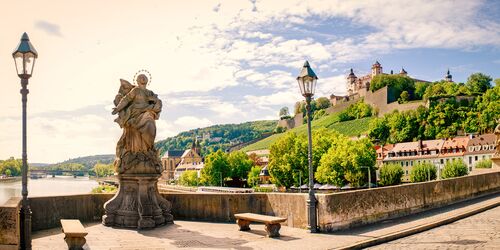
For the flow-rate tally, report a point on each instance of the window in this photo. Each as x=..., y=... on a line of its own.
x=411, y=163
x=484, y=157
x=407, y=164
x=492, y=147
x=475, y=158
x=470, y=160
x=471, y=149
x=442, y=161
x=406, y=172
x=402, y=165
x=485, y=147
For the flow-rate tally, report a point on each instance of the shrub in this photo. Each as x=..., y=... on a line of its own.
x=253, y=176
x=484, y=164
x=189, y=178
x=454, y=168
x=390, y=174
x=104, y=189
x=423, y=172
x=263, y=189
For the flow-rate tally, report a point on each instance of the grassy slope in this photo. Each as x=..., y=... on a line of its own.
x=349, y=128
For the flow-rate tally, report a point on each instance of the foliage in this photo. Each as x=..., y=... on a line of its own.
x=103, y=170
x=420, y=88
x=253, y=176
x=263, y=189
x=390, y=174
x=284, y=113
x=478, y=82
x=216, y=167
x=423, y=172
x=104, y=189
x=88, y=162
x=356, y=111
x=344, y=162
x=239, y=165
x=322, y=103
x=288, y=156
x=221, y=136
x=487, y=163
x=189, y=178
x=488, y=109
x=279, y=129
x=318, y=114
x=454, y=168
x=404, y=97
x=397, y=84
x=11, y=167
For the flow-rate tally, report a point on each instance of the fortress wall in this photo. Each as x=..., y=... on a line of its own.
x=349, y=209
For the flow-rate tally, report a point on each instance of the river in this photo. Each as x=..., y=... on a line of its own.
x=59, y=185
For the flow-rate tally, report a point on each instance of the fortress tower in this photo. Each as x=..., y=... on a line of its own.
x=351, y=83
x=376, y=69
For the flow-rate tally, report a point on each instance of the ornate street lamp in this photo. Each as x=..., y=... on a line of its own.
x=307, y=83
x=24, y=58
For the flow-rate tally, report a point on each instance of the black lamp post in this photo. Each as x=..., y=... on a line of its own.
x=307, y=83
x=24, y=58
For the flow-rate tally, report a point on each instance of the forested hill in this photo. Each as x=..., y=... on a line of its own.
x=89, y=161
x=218, y=137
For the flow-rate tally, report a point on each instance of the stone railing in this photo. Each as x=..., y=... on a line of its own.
x=335, y=211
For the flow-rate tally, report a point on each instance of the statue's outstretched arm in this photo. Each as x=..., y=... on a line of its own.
x=124, y=102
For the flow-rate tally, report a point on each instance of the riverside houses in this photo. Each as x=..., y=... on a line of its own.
x=453, y=149
x=409, y=154
x=479, y=148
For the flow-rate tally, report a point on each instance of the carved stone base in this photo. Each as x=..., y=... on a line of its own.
x=137, y=204
x=244, y=224
x=273, y=230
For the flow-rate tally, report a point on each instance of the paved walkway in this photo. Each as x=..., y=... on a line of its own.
x=206, y=235
x=480, y=231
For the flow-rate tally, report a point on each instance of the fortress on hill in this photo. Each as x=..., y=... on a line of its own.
x=383, y=100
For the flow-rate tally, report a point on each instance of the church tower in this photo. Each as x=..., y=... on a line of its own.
x=448, y=77
x=403, y=72
x=376, y=69
x=351, y=83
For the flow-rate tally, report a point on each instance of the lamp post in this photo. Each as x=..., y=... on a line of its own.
x=307, y=83
x=24, y=58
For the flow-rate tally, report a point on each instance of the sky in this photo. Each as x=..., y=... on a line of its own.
x=217, y=62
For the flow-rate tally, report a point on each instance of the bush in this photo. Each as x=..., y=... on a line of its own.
x=390, y=174
x=421, y=172
x=104, y=189
x=253, y=176
x=263, y=189
x=484, y=164
x=454, y=168
x=279, y=129
x=189, y=178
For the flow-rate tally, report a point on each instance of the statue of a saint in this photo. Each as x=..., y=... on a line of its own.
x=137, y=203
x=497, y=142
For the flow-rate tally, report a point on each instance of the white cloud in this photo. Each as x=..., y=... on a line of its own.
x=191, y=122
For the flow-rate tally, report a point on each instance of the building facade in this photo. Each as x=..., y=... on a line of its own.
x=479, y=148
x=170, y=160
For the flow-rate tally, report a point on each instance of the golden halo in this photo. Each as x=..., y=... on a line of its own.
x=142, y=71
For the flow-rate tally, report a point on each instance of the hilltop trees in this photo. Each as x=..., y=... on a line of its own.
x=398, y=84
x=478, y=82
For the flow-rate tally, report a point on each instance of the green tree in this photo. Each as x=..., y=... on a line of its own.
x=454, y=168
x=488, y=107
x=423, y=172
x=284, y=113
x=239, y=164
x=253, y=176
x=322, y=103
x=404, y=97
x=344, y=163
x=390, y=174
x=487, y=163
x=11, y=166
x=103, y=170
x=379, y=129
x=397, y=84
x=479, y=82
x=216, y=167
x=8, y=172
x=420, y=88
x=189, y=178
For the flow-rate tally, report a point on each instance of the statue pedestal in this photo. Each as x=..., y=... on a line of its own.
x=137, y=204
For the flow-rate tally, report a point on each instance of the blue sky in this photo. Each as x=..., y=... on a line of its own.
x=217, y=62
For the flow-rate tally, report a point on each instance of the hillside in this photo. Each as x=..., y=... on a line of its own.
x=88, y=161
x=349, y=128
x=218, y=137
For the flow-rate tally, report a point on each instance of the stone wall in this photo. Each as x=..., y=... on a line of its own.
x=348, y=209
x=9, y=224
x=293, y=122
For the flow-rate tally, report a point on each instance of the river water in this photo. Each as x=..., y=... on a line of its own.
x=59, y=185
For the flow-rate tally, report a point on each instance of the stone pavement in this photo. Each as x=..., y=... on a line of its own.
x=480, y=231
x=207, y=235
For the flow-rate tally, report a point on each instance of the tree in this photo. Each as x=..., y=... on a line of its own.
x=454, y=168
x=390, y=174
x=189, y=178
x=239, y=164
x=396, y=83
x=487, y=163
x=346, y=162
x=404, y=97
x=216, y=169
x=284, y=113
x=11, y=166
x=253, y=176
x=488, y=106
x=478, y=82
x=322, y=103
x=103, y=170
x=423, y=172
x=420, y=88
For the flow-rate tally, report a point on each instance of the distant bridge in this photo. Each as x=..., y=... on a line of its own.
x=42, y=173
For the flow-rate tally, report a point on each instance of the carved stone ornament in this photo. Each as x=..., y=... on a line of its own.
x=137, y=204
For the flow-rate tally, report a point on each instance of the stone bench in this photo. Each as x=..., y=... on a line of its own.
x=74, y=234
x=272, y=223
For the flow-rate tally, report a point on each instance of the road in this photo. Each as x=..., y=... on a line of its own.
x=480, y=231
